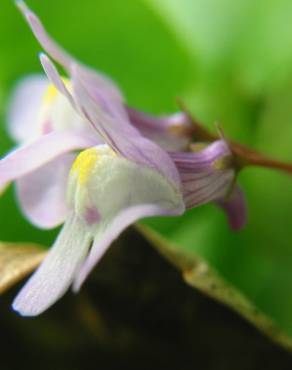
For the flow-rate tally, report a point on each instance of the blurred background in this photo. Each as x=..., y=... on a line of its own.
x=231, y=62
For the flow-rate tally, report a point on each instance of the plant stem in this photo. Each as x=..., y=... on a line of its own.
x=243, y=155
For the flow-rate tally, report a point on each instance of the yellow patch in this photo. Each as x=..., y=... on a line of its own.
x=87, y=159
x=84, y=163
x=51, y=93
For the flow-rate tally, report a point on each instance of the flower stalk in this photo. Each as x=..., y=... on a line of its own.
x=243, y=156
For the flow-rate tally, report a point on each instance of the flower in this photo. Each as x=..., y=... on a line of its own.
x=111, y=184
x=208, y=175
x=48, y=132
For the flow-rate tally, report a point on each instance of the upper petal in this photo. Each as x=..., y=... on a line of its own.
x=62, y=56
x=101, y=103
x=170, y=132
x=44, y=39
x=111, y=121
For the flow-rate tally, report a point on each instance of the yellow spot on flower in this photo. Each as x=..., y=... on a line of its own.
x=84, y=163
x=51, y=93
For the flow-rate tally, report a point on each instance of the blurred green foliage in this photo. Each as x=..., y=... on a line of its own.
x=231, y=61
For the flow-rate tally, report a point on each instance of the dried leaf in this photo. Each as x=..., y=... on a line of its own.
x=17, y=260
x=198, y=274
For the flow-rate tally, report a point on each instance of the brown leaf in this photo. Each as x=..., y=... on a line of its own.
x=17, y=260
x=200, y=275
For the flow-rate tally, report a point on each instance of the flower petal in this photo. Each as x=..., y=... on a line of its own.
x=24, y=108
x=127, y=193
x=104, y=109
x=56, y=273
x=54, y=77
x=64, y=58
x=40, y=33
x=42, y=194
x=117, y=192
x=206, y=175
x=167, y=131
x=110, y=120
x=30, y=157
x=118, y=131
x=235, y=208
x=109, y=230
x=109, y=183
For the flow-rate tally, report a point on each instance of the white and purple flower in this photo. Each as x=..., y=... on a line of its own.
x=131, y=168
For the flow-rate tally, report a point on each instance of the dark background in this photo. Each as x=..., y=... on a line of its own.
x=135, y=313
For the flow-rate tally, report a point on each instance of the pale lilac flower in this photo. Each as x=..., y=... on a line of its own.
x=167, y=131
x=110, y=185
x=208, y=176
x=48, y=131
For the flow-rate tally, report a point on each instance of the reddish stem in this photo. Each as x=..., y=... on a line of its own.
x=243, y=155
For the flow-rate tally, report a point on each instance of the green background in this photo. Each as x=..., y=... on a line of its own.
x=231, y=61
